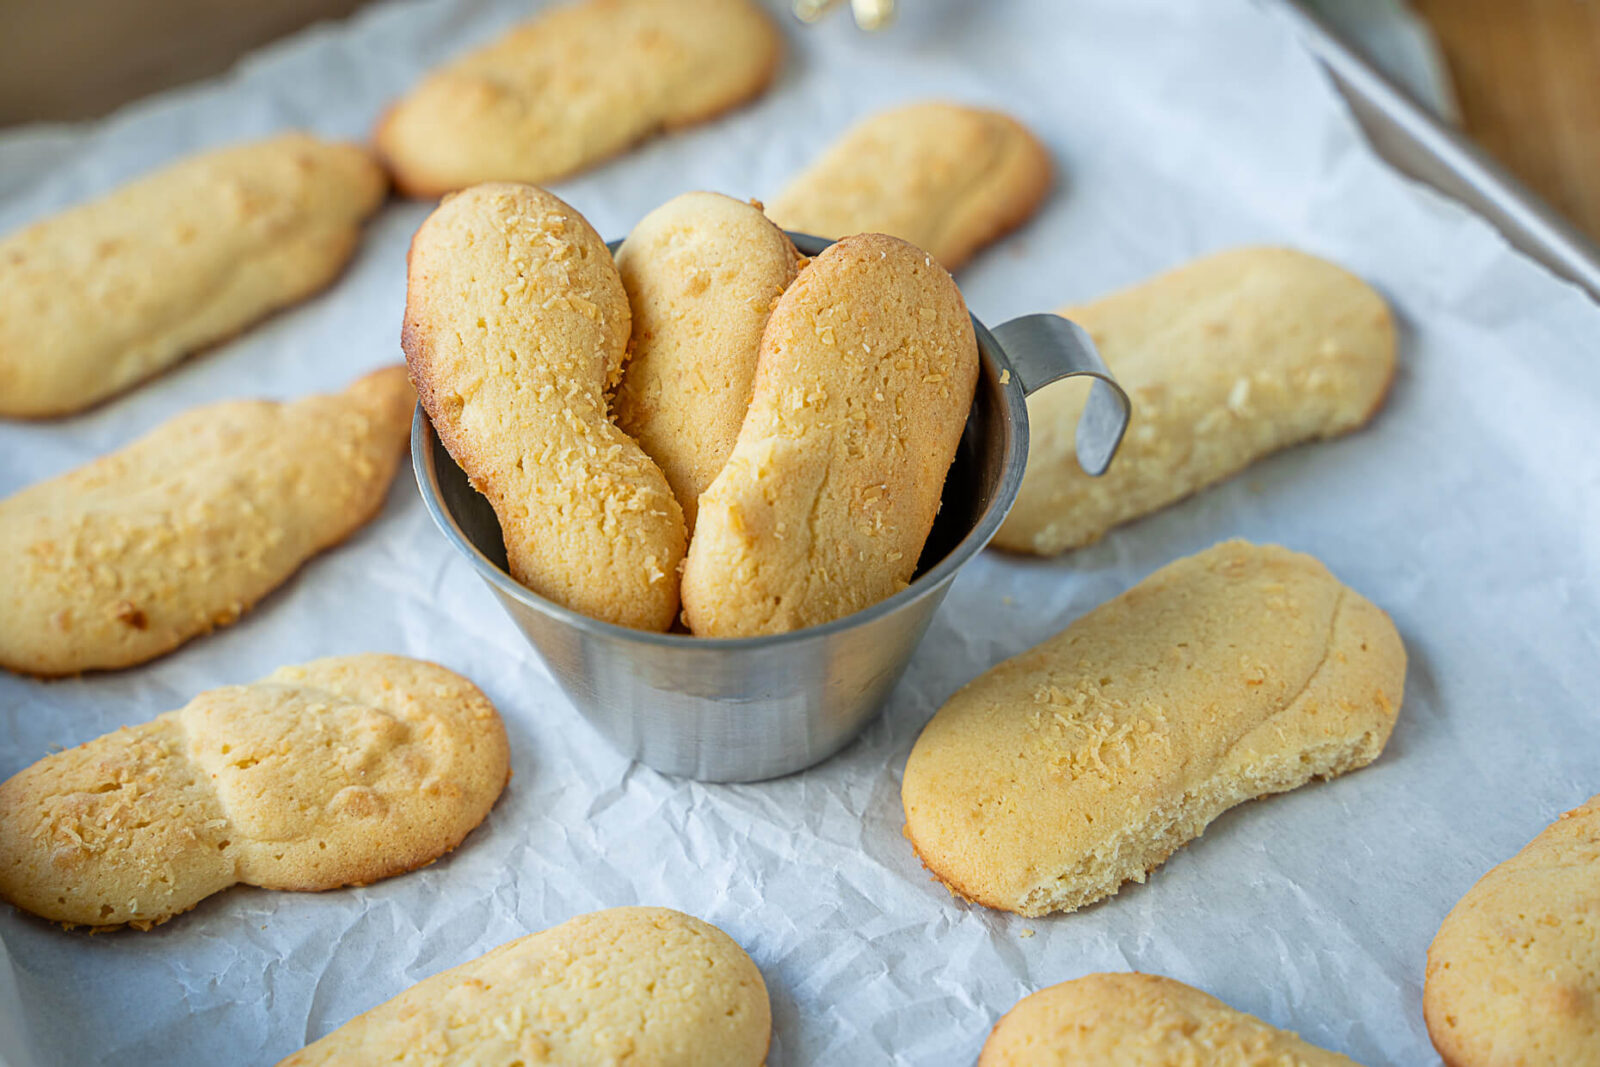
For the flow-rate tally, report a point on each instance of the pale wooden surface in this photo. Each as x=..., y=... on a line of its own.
x=1527, y=71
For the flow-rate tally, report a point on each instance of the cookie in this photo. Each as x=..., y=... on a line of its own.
x=516, y=324
x=577, y=84
x=102, y=296
x=183, y=530
x=863, y=384
x=338, y=772
x=1084, y=763
x=627, y=985
x=1120, y=1020
x=948, y=178
x=1514, y=974
x=1228, y=359
x=702, y=273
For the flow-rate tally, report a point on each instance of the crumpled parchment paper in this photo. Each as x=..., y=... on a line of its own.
x=1469, y=510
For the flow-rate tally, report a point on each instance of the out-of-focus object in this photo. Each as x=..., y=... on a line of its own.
x=579, y=83
x=870, y=14
x=946, y=177
x=1528, y=79
x=1398, y=42
x=64, y=62
x=106, y=294
x=1419, y=145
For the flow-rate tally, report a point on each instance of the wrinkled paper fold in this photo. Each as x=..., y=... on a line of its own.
x=1468, y=510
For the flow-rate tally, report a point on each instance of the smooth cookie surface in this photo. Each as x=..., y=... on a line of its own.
x=1227, y=360
x=865, y=377
x=575, y=85
x=516, y=325
x=338, y=772
x=1514, y=973
x=949, y=179
x=186, y=528
x=1140, y=1020
x=622, y=986
x=1084, y=763
x=104, y=295
x=702, y=273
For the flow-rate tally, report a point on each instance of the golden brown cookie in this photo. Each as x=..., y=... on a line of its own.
x=1140, y=1020
x=948, y=178
x=1226, y=360
x=864, y=381
x=338, y=772
x=516, y=324
x=646, y=986
x=186, y=528
x=702, y=273
x=1084, y=763
x=104, y=295
x=577, y=84
x=1514, y=972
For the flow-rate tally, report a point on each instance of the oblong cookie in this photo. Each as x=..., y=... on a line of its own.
x=1514, y=972
x=702, y=272
x=104, y=295
x=1228, y=359
x=626, y=985
x=186, y=528
x=516, y=324
x=866, y=374
x=338, y=772
x=1121, y=1020
x=948, y=178
x=1081, y=764
x=577, y=84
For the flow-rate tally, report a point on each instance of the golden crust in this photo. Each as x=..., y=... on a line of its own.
x=1513, y=975
x=865, y=378
x=516, y=325
x=100, y=297
x=1144, y=1020
x=338, y=772
x=127, y=557
x=702, y=273
x=1058, y=775
x=580, y=83
x=1227, y=360
x=947, y=178
x=637, y=985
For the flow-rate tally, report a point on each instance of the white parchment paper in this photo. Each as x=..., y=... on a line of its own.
x=1469, y=510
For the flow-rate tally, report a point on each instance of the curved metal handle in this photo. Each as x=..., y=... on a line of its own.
x=1046, y=348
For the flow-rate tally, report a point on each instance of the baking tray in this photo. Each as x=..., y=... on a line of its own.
x=1422, y=147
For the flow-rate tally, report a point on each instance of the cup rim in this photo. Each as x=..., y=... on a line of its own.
x=992, y=359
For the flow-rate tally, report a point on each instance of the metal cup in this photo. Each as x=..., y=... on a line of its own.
x=744, y=709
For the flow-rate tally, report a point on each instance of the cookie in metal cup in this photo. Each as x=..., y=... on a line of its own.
x=745, y=709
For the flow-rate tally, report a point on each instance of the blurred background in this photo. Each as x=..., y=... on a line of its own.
x=1522, y=77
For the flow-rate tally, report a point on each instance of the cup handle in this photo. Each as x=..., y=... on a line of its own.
x=1046, y=348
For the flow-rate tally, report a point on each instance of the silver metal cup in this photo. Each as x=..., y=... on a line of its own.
x=744, y=709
